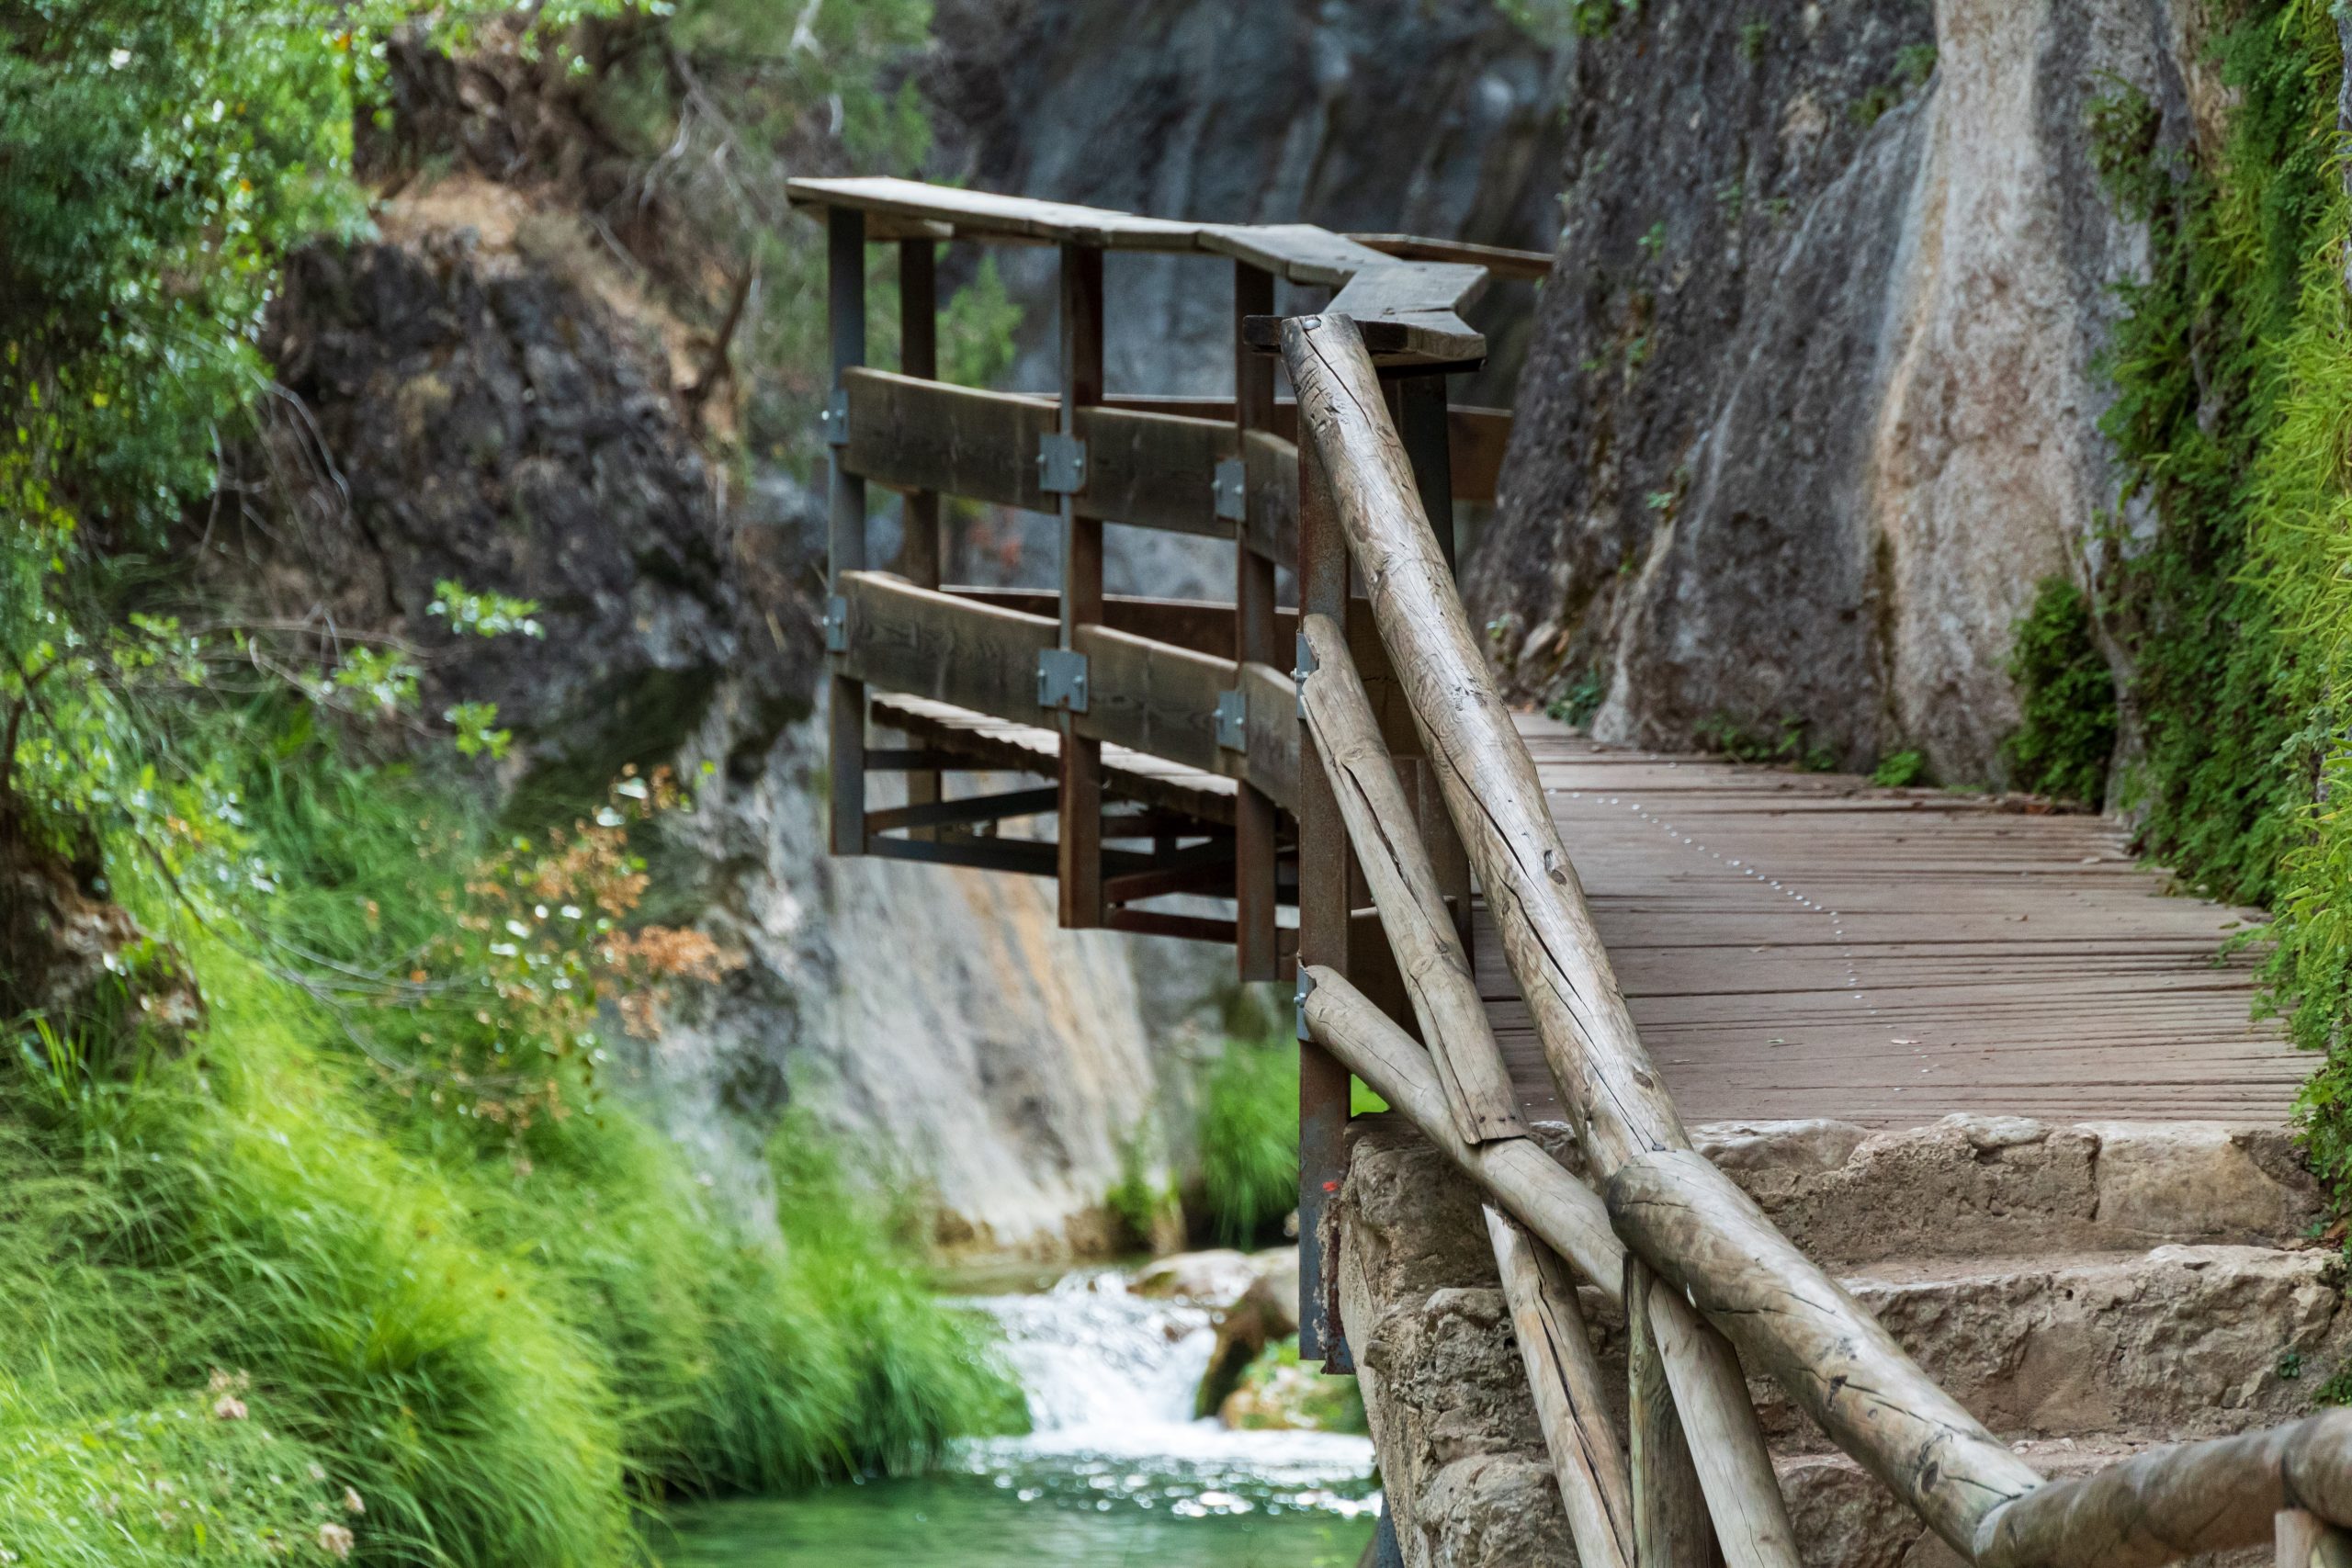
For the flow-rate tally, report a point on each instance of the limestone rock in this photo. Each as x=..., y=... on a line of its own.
x=1811, y=403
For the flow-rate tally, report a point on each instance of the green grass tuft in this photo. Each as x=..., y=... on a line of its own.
x=2066, y=737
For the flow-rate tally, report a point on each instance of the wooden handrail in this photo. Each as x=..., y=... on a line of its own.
x=1682, y=1217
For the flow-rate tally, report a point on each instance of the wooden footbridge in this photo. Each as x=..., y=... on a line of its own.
x=1488, y=919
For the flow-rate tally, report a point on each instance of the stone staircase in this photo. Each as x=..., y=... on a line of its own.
x=2086, y=1290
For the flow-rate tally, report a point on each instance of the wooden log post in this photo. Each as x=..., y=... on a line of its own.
x=1604, y=1077
x=1413, y=912
x=1080, y=814
x=922, y=550
x=1256, y=819
x=846, y=713
x=1323, y=927
x=2152, y=1508
x=2305, y=1541
x=1570, y=1404
x=1735, y=1472
x=1708, y=1239
x=1671, y=1526
x=1423, y=425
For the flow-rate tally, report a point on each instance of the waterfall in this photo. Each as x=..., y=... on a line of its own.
x=1111, y=1378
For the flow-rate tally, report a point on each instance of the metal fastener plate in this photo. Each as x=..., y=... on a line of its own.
x=1232, y=491
x=1303, y=667
x=1305, y=990
x=836, y=624
x=833, y=421
x=1061, y=679
x=1233, y=720
x=1061, y=464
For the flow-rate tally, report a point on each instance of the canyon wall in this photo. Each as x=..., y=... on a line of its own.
x=1811, y=406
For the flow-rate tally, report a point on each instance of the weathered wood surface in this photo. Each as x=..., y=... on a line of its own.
x=1570, y=1397
x=1405, y=891
x=1148, y=698
x=1736, y=1475
x=2303, y=1540
x=982, y=740
x=1501, y=260
x=1709, y=1240
x=977, y=213
x=1803, y=944
x=1148, y=469
x=1670, y=1525
x=1612, y=1093
x=2178, y=1502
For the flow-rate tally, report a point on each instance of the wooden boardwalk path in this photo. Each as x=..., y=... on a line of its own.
x=1802, y=944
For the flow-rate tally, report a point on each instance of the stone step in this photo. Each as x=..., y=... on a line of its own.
x=2008, y=1186
x=2194, y=1341
x=2086, y=1290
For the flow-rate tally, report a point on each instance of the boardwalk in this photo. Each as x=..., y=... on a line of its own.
x=1801, y=944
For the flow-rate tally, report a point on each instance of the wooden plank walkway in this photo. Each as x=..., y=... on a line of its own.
x=1802, y=944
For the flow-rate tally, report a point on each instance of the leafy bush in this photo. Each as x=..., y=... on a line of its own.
x=2066, y=737
x=1247, y=1138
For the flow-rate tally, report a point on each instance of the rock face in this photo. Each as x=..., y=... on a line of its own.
x=1811, y=406
x=2084, y=1291
x=478, y=404
x=1437, y=119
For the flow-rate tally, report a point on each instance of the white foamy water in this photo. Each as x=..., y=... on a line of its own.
x=1111, y=1378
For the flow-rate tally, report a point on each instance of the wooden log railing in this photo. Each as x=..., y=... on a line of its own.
x=1703, y=1268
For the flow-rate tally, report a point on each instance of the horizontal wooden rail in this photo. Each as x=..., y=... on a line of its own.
x=1148, y=696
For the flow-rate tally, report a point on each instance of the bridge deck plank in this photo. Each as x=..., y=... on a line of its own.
x=1921, y=953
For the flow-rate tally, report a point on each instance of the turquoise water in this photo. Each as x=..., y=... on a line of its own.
x=1116, y=1472
x=970, y=1522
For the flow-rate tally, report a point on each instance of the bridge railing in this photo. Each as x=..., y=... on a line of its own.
x=1697, y=1267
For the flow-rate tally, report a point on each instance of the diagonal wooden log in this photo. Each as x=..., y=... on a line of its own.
x=1530, y=1186
x=1405, y=890
x=1735, y=1468
x=1604, y=1077
x=2303, y=1540
x=1670, y=1525
x=1570, y=1404
x=1708, y=1238
x=2178, y=1502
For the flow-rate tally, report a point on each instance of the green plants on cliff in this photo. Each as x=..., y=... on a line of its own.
x=1248, y=1138
x=2066, y=735
x=2233, y=395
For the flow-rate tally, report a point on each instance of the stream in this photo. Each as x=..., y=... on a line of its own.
x=1116, y=1471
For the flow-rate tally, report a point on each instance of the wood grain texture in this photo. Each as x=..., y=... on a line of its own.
x=1708, y=1239
x=1670, y=1525
x=1405, y=891
x=1570, y=1397
x=1612, y=1092
x=2170, y=1503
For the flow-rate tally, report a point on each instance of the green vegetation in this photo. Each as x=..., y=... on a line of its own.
x=1581, y=701
x=1248, y=1138
x=2233, y=384
x=1900, y=771
x=1276, y=1393
x=1780, y=744
x=2066, y=737
x=322, y=1240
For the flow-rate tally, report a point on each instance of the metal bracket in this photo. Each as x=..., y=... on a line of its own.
x=1232, y=486
x=832, y=421
x=1061, y=679
x=1061, y=464
x=836, y=624
x=1233, y=720
x=1305, y=990
x=1302, y=666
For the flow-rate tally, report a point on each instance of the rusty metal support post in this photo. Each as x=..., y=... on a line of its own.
x=845, y=289
x=1421, y=424
x=921, y=548
x=1323, y=866
x=1080, y=858
x=1255, y=819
